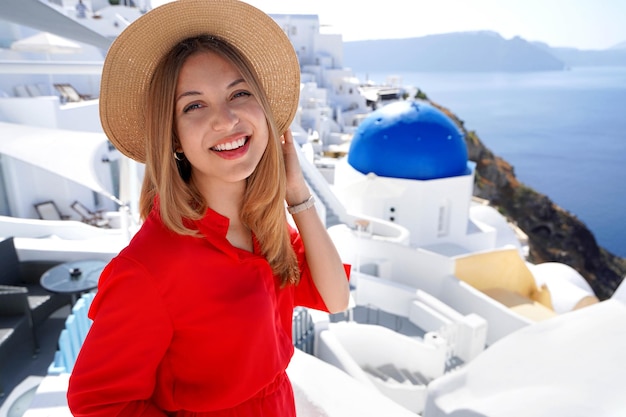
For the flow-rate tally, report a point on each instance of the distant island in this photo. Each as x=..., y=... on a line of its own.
x=482, y=51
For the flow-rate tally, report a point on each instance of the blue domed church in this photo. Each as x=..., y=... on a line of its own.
x=408, y=164
x=409, y=140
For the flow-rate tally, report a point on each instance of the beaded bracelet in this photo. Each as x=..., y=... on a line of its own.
x=305, y=205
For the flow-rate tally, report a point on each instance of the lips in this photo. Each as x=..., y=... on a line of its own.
x=230, y=146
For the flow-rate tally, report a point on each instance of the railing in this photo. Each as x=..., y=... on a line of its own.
x=303, y=330
x=335, y=211
x=71, y=339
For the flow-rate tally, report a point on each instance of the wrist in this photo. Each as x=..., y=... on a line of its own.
x=303, y=206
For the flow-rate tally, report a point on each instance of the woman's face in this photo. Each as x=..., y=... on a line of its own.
x=221, y=126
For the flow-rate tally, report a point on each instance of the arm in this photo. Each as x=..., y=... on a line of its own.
x=115, y=372
x=324, y=262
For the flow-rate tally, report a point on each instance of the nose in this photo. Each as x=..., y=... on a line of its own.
x=223, y=118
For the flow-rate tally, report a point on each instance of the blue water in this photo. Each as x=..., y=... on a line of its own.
x=564, y=133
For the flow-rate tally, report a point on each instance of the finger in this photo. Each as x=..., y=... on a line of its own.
x=288, y=137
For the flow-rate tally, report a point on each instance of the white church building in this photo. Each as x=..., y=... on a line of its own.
x=408, y=184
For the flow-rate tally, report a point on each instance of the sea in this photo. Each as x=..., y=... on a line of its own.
x=564, y=133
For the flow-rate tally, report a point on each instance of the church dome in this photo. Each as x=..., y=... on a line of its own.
x=409, y=140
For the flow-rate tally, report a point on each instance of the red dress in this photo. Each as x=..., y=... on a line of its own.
x=187, y=326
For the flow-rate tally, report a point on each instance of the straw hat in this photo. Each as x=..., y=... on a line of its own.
x=135, y=53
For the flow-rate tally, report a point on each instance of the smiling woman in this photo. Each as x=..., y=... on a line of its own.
x=199, y=306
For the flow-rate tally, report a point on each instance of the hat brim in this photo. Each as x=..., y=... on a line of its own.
x=134, y=55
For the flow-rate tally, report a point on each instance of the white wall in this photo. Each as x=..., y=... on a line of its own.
x=40, y=111
x=28, y=185
x=82, y=116
x=47, y=111
x=414, y=267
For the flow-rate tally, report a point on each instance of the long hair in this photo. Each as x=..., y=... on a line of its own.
x=262, y=210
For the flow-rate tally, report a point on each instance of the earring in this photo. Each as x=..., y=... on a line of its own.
x=183, y=166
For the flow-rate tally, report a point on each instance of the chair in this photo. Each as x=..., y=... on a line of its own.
x=88, y=216
x=23, y=277
x=69, y=93
x=21, y=91
x=48, y=210
x=14, y=302
x=16, y=323
x=24, y=304
x=33, y=90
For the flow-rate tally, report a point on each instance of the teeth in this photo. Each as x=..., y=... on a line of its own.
x=230, y=146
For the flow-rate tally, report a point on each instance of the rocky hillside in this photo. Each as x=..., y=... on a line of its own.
x=470, y=52
x=554, y=234
x=465, y=51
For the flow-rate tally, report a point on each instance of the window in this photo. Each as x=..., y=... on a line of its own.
x=443, y=223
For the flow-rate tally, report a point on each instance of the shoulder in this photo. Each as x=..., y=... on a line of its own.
x=154, y=250
x=153, y=240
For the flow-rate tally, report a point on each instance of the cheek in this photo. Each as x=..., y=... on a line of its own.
x=186, y=134
x=262, y=142
x=262, y=125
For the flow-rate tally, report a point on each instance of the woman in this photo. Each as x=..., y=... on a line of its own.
x=194, y=316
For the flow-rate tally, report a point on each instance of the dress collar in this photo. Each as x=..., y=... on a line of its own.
x=213, y=226
x=212, y=223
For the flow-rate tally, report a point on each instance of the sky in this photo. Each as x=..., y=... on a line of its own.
x=583, y=24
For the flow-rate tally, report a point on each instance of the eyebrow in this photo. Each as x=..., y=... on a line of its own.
x=196, y=93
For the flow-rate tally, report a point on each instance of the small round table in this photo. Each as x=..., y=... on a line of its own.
x=73, y=277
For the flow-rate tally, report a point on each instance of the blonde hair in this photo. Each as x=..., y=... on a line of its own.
x=263, y=208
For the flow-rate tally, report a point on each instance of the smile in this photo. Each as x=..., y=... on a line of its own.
x=230, y=146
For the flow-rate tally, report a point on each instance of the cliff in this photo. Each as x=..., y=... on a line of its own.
x=465, y=51
x=472, y=52
x=554, y=234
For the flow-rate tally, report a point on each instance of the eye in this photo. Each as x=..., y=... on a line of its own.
x=242, y=93
x=191, y=107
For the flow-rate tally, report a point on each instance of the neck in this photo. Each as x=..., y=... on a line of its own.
x=226, y=199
